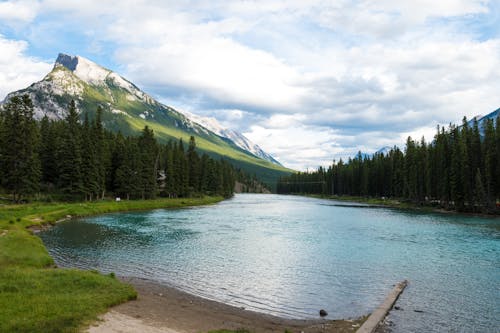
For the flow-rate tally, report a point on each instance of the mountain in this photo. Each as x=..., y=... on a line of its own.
x=481, y=120
x=384, y=150
x=493, y=115
x=128, y=109
x=239, y=139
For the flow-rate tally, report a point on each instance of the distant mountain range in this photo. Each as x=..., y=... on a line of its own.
x=493, y=115
x=128, y=109
x=480, y=119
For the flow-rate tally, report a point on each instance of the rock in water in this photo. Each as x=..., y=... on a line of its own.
x=323, y=313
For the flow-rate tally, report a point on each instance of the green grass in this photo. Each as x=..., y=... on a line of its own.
x=55, y=300
x=35, y=296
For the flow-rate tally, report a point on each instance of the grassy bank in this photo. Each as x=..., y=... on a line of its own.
x=35, y=296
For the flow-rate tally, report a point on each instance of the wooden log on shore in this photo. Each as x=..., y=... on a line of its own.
x=379, y=314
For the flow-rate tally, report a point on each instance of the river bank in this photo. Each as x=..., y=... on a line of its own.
x=37, y=296
x=291, y=256
x=160, y=308
x=394, y=203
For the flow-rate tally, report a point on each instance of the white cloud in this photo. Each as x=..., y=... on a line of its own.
x=217, y=67
x=300, y=146
x=306, y=80
x=24, y=11
x=17, y=70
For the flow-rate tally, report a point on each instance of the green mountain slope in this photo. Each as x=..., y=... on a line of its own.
x=128, y=109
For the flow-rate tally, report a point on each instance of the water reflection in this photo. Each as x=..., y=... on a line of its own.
x=291, y=256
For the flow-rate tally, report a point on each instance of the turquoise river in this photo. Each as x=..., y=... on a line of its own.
x=291, y=256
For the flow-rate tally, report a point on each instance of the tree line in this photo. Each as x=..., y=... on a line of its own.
x=72, y=159
x=458, y=170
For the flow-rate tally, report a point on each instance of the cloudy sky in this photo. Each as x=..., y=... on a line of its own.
x=308, y=81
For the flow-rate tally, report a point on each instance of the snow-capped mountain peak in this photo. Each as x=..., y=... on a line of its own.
x=84, y=69
x=89, y=85
x=384, y=150
x=238, y=138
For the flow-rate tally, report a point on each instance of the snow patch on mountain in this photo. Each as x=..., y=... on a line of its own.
x=122, y=83
x=481, y=120
x=90, y=72
x=384, y=150
x=239, y=139
x=94, y=74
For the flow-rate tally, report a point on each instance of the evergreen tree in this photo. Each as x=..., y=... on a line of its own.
x=90, y=171
x=48, y=150
x=193, y=166
x=497, y=167
x=490, y=162
x=181, y=170
x=19, y=158
x=85, y=160
x=480, y=196
x=102, y=154
x=149, y=163
x=128, y=180
x=169, y=171
x=69, y=155
x=117, y=161
x=459, y=169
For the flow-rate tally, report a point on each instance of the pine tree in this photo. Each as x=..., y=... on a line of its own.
x=193, y=165
x=48, y=150
x=149, y=163
x=90, y=171
x=19, y=159
x=458, y=169
x=204, y=177
x=128, y=180
x=102, y=154
x=490, y=162
x=411, y=170
x=169, y=171
x=497, y=167
x=69, y=155
x=117, y=160
x=480, y=197
x=181, y=170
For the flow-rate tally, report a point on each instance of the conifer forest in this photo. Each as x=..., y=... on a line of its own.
x=75, y=159
x=458, y=170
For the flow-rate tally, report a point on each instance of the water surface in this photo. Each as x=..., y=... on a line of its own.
x=291, y=256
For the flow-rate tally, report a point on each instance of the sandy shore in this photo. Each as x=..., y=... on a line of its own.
x=160, y=308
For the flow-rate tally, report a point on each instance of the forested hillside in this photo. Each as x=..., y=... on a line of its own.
x=73, y=160
x=128, y=109
x=458, y=170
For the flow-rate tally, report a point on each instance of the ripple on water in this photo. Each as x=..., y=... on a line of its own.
x=291, y=256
